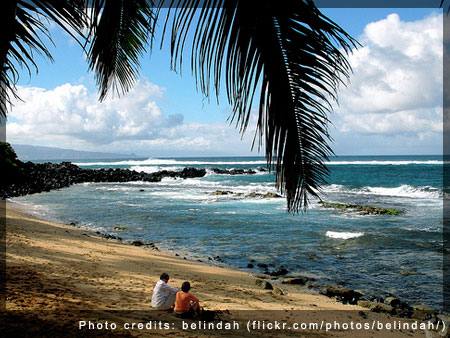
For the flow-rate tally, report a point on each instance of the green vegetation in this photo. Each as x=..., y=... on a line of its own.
x=9, y=165
x=120, y=228
x=361, y=209
x=8, y=157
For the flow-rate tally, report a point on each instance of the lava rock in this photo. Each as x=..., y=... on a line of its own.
x=295, y=281
x=264, y=284
x=280, y=272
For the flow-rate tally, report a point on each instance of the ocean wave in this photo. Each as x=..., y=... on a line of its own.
x=154, y=169
x=375, y=162
x=423, y=192
x=343, y=235
x=156, y=161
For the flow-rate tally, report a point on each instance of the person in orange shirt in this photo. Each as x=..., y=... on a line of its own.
x=186, y=304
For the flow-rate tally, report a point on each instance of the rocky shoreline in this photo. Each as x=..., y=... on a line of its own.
x=273, y=282
x=31, y=178
x=382, y=303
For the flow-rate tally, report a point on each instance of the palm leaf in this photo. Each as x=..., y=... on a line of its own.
x=22, y=37
x=120, y=33
x=295, y=53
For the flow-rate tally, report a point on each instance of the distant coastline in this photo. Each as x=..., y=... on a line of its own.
x=40, y=153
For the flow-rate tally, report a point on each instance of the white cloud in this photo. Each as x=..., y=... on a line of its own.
x=71, y=111
x=397, y=83
x=70, y=116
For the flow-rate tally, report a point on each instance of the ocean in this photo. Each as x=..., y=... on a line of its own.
x=378, y=254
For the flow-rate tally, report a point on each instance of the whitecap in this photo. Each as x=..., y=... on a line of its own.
x=157, y=162
x=343, y=235
x=423, y=192
x=430, y=162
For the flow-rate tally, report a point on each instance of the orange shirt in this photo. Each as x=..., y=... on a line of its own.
x=183, y=301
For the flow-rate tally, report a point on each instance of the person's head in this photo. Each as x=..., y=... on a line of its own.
x=164, y=277
x=185, y=287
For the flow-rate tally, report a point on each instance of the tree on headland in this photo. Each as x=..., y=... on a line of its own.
x=293, y=55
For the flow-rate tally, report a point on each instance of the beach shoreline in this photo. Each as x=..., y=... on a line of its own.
x=55, y=269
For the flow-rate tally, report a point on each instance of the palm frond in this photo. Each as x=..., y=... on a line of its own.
x=294, y=53
x=23, y=34
x=120, y=33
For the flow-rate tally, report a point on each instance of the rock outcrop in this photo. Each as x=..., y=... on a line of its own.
x=31, y=178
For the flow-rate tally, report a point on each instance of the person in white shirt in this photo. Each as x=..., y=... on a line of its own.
x=164, y=295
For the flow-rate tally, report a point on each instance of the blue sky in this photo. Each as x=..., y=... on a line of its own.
x=392, y=106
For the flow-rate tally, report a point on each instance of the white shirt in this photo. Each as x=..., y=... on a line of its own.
x=161, y=293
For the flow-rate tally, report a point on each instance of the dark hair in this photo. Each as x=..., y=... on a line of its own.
x=164, y=275
x=185, y=287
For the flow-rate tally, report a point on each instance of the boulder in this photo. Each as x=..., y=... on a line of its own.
x=278, y=292
x=280, y=272
x=264, y=284
x=137, y=243
x=295, y=281
x=344, y=294
x=221, y=192
x=392, y=301
x=376, y=307
x=421, y=312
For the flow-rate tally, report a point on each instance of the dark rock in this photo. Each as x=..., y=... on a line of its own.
x=403, y=312
x=271, y=195
x=362, y=314
x=264, y=284
x=279, y=272
x=392, y=301
x=262, y=265
x=361, y=209
x=233, y=171
x=377, y=299
x=278, y=292
x=250, y=265
x=137, y=243
x=376, y=307
x=30, y=178
x=266, y=195
x=217, y=258
x=295, y=281
x=347, y=295
x=221, y=192
x=421, y=312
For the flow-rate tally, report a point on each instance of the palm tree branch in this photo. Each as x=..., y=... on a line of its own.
x=23, y=37
x=298, y=57
x=118, y=38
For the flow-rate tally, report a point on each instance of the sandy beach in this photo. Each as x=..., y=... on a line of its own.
x=58, y=275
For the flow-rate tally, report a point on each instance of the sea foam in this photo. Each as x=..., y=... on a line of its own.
x=423, y=192
x=343, y=235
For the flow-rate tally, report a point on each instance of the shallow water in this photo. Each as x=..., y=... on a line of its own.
x=397, y=254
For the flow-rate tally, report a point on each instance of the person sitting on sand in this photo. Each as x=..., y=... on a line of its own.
x=164, y=295
x=186, y=304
